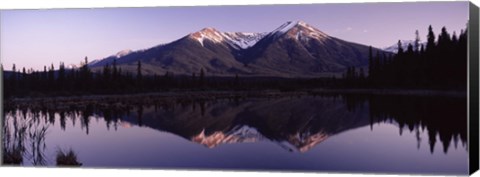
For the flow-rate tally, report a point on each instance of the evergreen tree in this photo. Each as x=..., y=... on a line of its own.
x=139, y=76
x=410, y=49
x=444, y=38
x=400, y=48
x=236, y=81
x=194, y=80
x=361, y=74
x=417, y=41
x=454, y=38
x=24, y=74
x=106, y=72
x=14, y=73
x=371, y=66
x=45, y=73
x=139, y=70
x=51, y=77
x=377, y=62
x=61, y=75
x=430, y=39
x=114, y=72
x=85, y=76
x=202, y=77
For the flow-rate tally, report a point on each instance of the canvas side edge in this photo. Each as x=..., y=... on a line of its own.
x=473, y=105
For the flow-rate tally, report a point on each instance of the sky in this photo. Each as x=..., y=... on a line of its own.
x=35, y=38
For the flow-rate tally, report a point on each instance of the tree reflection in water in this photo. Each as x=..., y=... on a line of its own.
x=296, y=123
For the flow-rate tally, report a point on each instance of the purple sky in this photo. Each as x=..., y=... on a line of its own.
x=34, y=38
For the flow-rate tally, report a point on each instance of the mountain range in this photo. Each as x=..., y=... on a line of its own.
x=394, y=47
x=295, y=49
x=295, y=124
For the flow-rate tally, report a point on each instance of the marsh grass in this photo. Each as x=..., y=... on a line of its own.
x=13, y=142
x=67, y=158
x=12, y=156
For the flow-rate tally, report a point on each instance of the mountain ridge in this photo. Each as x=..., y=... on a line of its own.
x=295, y=49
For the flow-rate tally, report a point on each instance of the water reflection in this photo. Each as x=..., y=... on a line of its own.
x=24, y=138
x=446, y=117
x=296, y=124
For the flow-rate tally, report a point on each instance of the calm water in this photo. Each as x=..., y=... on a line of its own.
x=309, y=133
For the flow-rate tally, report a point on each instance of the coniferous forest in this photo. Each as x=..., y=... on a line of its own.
x=441, y=64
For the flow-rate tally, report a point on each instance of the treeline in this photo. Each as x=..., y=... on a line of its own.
x=440, y=64
x=79, y=81
x=111, y=79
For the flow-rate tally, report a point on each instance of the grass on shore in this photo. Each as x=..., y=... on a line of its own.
x=68, y=158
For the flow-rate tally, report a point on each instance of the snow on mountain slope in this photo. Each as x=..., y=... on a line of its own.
x=283, y=28
x=123, y=53
x=303, y=31
x=242, y=134
x=111, y=58
x=208, y=33
x=237, y=40
x=299, y=30
x=241, y=40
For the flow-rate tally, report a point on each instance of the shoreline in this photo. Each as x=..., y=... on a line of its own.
x=257, y=93
x=398, y=92
x=127, y=100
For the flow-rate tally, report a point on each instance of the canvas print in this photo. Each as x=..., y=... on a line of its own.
x=355, y=88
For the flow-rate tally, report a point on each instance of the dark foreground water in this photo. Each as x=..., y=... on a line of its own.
x=380, y=134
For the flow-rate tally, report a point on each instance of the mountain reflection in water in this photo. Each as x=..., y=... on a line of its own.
x=296, y=124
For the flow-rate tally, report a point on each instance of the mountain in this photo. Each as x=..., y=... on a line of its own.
x=295, y=49
x=109, y=60
x=394, y=48
x=295, y=124
x=207, y=49
x=239, y=134
x=298, y=49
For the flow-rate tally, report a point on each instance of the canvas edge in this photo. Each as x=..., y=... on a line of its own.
x=473, y=101
x=1, y=101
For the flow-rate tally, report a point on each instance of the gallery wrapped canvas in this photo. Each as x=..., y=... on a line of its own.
x=389, y=88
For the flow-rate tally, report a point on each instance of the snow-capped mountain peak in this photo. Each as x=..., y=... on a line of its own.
x=284, y=28
x=302, y=23
x=237, y=40
x=207, y=33
x=299, y=30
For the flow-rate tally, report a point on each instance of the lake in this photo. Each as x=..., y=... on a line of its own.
x=324, y=133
